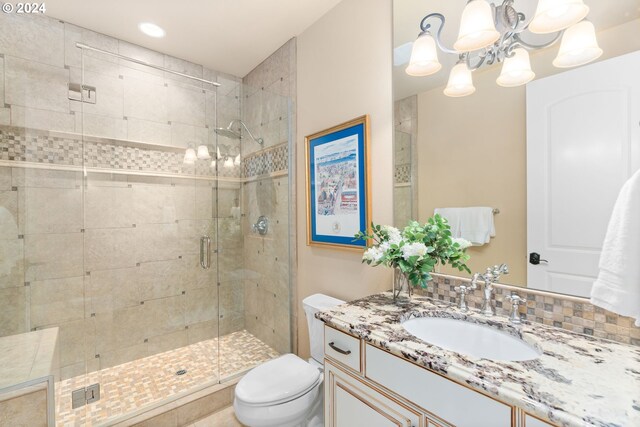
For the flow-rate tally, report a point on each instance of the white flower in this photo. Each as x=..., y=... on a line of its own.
x=384, y=246
x=464, y=243
x=394, y=234
x=413, y=249
x=373, y=254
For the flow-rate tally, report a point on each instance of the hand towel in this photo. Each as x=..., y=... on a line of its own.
x=617, y=287
x=474, y=224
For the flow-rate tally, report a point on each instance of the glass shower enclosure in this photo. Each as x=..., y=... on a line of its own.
x=130, y=224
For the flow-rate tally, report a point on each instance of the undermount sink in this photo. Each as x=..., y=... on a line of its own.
x=471, y=339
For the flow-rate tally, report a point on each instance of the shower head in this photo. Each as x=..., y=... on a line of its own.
x=230, y=133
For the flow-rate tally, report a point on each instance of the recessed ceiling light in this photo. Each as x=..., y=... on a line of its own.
x=151, y=30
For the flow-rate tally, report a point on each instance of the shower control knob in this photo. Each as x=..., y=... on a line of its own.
x=261, y=226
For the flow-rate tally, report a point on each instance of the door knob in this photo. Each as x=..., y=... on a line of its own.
x=534, y=258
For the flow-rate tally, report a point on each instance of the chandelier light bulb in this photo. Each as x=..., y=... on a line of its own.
x=424, y=57
x=189, y=156
x=579, y=46
x=477, y=27
x=516, y=70
x=555, y=15
x=460, y=81
x=203, y=153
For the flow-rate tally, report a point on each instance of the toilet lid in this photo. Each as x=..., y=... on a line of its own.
x=278, y=380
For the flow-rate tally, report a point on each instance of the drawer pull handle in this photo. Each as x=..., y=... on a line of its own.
x=338, y=349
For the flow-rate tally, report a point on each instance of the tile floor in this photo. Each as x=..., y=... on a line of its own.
x=223, y=418
x=133, y=385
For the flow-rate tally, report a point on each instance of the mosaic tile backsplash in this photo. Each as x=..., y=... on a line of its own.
x=268, y=161
x=553, y=310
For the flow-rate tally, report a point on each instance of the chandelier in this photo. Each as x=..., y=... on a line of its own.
x=490, y=34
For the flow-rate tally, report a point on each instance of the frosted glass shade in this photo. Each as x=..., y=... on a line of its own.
x=203, y=153
x=189, y=156
x=213, y=164
x=228, y=163
x=424, y=57
x=477, y=28
x=460, y=81
x=516, y=70
x=236, y=161
x=578, y=46
x=556, y=15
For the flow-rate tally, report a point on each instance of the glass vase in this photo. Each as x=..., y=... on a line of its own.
x=402, y=290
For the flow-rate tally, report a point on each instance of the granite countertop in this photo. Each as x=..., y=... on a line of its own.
x=578, y=380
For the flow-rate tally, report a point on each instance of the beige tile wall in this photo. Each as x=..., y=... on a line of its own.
x=269, y=108
x=28, y=409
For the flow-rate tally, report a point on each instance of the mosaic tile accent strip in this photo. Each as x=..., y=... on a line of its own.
x=267, y=161
x=36, y=146
x=549, y=310
x=402, y=174
x=133, y=385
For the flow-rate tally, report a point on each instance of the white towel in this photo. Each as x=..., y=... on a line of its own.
x=617, y=288
x=474, y=224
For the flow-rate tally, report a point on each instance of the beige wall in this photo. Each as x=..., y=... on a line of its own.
x=472, y=152
x=344, y=71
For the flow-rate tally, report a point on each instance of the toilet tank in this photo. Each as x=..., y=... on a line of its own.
x=313, y=304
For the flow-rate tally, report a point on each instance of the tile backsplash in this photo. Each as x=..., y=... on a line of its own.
x=550, y=309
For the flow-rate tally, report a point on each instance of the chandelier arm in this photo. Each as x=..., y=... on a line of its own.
x=481, y=60
x=424, y=26
x=516, y=37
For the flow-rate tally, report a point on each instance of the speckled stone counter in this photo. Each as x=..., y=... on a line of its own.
x=578, y=380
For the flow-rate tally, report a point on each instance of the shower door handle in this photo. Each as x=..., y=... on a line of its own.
x=205, y=252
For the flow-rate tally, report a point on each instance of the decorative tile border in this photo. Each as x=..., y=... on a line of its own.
x=402, y=174
x=270, y=160
x=38, y=146
x=550, y=309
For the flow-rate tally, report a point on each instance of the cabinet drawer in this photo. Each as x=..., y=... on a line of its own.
x=452, y=402
x=342, y=347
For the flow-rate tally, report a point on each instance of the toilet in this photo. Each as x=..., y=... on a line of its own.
x=287, y=391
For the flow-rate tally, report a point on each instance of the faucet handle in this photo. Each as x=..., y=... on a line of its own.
x=474, y=280
x=463, y=290
x=515, y=300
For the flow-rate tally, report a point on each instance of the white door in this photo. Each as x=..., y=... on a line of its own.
x=583, y=143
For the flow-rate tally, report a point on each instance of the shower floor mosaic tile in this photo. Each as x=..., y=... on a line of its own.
x=133, y=385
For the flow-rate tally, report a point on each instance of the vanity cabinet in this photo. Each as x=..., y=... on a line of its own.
x=367, y=386
x=352, y=403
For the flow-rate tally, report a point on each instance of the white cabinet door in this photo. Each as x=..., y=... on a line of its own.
x=583, y=143
x=351, y=403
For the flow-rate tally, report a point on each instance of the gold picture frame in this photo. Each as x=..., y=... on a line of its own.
x=338, y=186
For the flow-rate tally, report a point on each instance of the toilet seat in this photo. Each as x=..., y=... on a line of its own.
x=278, y=381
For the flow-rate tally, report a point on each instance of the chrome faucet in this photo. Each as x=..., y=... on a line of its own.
x=490, y=276
x=515, y=300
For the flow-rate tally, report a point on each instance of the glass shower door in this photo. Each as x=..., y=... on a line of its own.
x=149, y=238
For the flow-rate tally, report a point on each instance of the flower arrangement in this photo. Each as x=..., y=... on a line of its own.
x=416, y=250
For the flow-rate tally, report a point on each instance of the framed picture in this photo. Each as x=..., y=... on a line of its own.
x=338, y=199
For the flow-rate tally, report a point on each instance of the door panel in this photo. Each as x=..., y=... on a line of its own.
x=583, y=143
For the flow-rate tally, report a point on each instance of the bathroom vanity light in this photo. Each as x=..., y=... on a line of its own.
x=189, y=156
x=203, y=152
x=490, y=34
